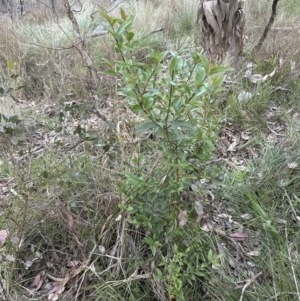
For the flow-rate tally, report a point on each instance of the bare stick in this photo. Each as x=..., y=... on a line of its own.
x=267, y=29
x=80, y=41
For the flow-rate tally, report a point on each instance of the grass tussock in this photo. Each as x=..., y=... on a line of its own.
x=94, y=208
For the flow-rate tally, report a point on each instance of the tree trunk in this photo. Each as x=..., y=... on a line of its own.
x=222, y=27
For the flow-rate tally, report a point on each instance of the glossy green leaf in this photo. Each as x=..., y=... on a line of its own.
x=125, y=25
x=136, y=108
x=218, y=81
x=146, y=126
x=129, y=36
x=159, y=274
x=152, y=92
x=175, y=64
x=219, y=69
x=128, y=93
x=181, y=123
x=205, y=63
x=106, y=17
x=123, y=14
x=200, y=76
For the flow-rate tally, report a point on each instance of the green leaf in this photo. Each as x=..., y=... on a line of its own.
x=218, y=81
x=129, y=36
x=200, y=76
x=151, y=93
x=181, y=123
x=136, y=108
x=153, y=250
x=187, y=89
x=220, y=69
x=148, y=103
x=205, y=63
x=111, y=31
x=146, y=126
x=125, y=25
x=106, y=62
x=157, y=57
x=201, y=91
x=10, y=65
x=123, y=14
x=176, y=104
x=14, y=119
x=106, y=17
x=209, y=255
x=128, y=93
x=175, y=64
x=110, y=72
x=159, y=274
x=179, y=136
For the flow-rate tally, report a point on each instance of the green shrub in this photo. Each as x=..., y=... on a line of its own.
x=173, y=94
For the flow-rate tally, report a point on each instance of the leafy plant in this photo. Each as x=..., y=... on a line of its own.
x=173, y=93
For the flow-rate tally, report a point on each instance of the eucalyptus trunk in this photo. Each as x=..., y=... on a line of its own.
x=222, y=27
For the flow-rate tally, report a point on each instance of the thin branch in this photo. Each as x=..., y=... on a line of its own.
x=268, y=27
x=42, y=46
x=80, y=41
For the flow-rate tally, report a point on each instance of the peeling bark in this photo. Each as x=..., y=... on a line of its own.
x=222, y=27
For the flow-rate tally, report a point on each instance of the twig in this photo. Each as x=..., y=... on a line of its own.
x=248, y=282
x=81, y=48
x=277, y=134
x=267, y=29
x=154, y=31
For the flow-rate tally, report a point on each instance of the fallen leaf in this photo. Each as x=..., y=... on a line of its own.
x=101, y=249
x=219, y=231
x=52, y=297
x=245, y=136
x=231, y=263
x=36, y=280
x=253, y=253
x=10, y=258
x=246, y=216
x=238, y=236
x=182, y=218
x=48, y=286
x=293, y=165
x=255, y=78
x=3, y=235
x=15, y=240
x=208, y=227
x=39, y=285
x=199, y=210
x=72, y=263
x=281, y=221
x=211, y=195
x=119, y=217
